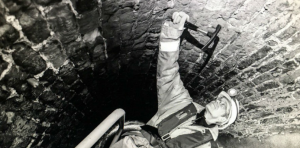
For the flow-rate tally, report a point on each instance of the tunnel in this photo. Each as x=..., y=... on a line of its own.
x=65, y=65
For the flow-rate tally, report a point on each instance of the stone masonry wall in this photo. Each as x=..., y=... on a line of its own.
x=50, y=51
x=59, y=77
x=258, y=54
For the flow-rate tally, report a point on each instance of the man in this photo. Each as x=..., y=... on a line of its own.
x=180, y=122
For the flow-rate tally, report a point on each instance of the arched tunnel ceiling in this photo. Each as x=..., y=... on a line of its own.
x=66, y=64
x=257, y=53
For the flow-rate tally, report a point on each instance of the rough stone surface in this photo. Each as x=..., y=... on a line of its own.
x=245, y=63
x=46, y=2
x=28, y=59
x=48, y=96
x=67, y=72
x=41, y=89
x=247, y=74
x=33, y=25
x=16, y=78
x=78, y=53
x=267, y=85
x=87, y=21
x=3, y=65
x=261, y=79
x=269, y=66
x=54, y=52
x=8, y=35
x=14, y=6
x=82, y=6
x=63, y=22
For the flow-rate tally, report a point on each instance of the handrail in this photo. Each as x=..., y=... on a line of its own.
x=102, y=128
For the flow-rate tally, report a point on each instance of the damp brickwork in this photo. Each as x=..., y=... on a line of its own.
x=258, y=54
x=50, y=51
x=66, y=64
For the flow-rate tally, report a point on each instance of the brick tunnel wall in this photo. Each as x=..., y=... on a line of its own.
x=50, y=52
x=60, y=77
x=258, y=54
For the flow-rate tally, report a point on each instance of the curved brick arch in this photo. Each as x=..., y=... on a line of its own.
x=85, y=58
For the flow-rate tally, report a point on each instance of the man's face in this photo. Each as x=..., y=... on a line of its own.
x=217, y=110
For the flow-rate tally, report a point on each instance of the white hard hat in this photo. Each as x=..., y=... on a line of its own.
x=234, y=110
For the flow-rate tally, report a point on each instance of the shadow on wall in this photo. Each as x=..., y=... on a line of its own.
x=290, y=140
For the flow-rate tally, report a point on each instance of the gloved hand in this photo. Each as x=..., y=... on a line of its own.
x=172, y=30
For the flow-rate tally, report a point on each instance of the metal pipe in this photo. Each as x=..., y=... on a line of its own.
x=119, y=132
x=100, y=130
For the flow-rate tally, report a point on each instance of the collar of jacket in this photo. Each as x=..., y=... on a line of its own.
x=213, y=130
x=200, y=120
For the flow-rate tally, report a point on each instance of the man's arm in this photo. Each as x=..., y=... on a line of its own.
x=169, y=85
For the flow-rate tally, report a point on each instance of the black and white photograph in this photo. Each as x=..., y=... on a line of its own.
x=149, y=74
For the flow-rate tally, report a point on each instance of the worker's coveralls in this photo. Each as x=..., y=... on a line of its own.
x=172, y=96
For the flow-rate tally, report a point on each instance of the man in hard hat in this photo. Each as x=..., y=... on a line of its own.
x=180, y=122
